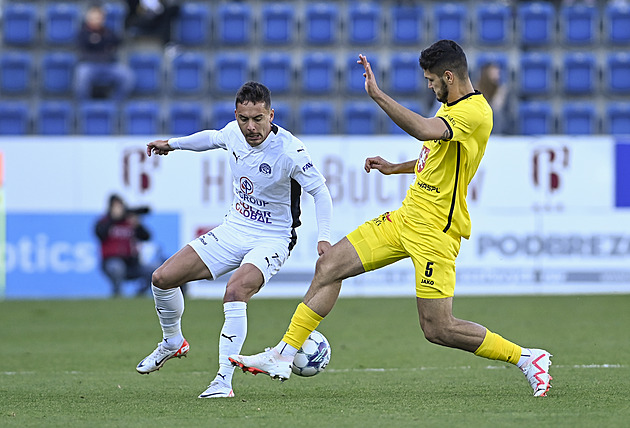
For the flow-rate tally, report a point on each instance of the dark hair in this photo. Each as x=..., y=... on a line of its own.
x=444, y=55
x=255, y=93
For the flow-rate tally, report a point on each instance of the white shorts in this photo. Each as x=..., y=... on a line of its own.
x=225, y=248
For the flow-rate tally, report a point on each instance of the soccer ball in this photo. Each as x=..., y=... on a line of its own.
x=313, y=356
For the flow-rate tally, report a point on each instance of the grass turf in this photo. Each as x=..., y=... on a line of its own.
x=72, y=363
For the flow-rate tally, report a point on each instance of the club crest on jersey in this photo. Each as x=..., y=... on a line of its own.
x=264, y=168
x=422, y=159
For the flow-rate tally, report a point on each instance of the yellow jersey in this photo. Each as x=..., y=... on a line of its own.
x=445, y=167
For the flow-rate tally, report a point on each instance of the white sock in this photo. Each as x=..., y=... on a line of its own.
x=286, y=350
x=232, y=338
x=169, y=305
x=525, y=354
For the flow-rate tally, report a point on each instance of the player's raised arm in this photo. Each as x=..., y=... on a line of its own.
x=387, y=168
x=411, y=122
x=159, y=147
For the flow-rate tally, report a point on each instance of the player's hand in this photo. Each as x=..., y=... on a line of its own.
x=380, y=164
x=159, y=147
x=323, y=246
x=371, y=86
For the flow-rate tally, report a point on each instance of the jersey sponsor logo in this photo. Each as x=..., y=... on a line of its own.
x=246, y=185
x=382, y=218
x=428, y=187
x=264, y=168
x=427, y=281
x=252, y=213
x=422, y=159
x=309, y=165
x=245, y=193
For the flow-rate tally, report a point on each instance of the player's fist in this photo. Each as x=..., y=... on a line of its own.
x=159, y=147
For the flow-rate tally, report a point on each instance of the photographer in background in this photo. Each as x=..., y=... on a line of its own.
x=120, y=233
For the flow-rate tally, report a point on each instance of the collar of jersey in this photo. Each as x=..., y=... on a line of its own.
x=476, y=92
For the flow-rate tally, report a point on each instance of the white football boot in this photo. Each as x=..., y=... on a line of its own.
x=536, y=370
x=269, y=362
x=217, y=389
x=159, y=356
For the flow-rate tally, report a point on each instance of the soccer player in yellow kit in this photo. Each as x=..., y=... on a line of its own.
x=427, y=228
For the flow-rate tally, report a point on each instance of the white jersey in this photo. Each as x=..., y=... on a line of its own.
x=267, y=179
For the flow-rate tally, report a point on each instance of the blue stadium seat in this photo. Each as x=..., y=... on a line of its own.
x=618, y=118
x=579, y=24
x=141, y=118
x=618, y=73
x=535, y=118
x=617, y=23
x=61, y=23
x=234, y=24
x=536, y=74
x=16, y=72
x=451, y=22
x=115, y=14
x=405, y=73
x=536, y=23
x=360, y=117
x=147, y=68
x=232, y=70
x=321, y=23
x=282, y=115
x=317, y=118
x=319, y=73
x=97, y=117
x=353, y=73
x=579, y=73
x=192, y=25
x=499, y=58
x=14, y=118
x=275, y=71
x=58, y=72
x=412, y=105
x=189, y=74
x=19, y=23
x=222, y=114
x=55, y=118
x=278, y=24
x=407, y=24
x=494, y=24
x=365, y=23
x=578, y=118
x=185, y=118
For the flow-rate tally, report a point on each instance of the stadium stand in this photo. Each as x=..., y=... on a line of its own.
x=57, y=72
x=14, y=118
x=407, y=24
x=563, y=54
x=618, y=118
x=493, y=24
x=192, y=27
x=535, y=118
x=282, y=114
x=321, y=24
x=55, y=118
x=316, y=117
x=360, y=117
x=278, y=24
x=222, y=114
x=185, y=118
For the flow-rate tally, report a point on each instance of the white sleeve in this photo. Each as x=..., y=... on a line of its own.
x=323, y=211
x=199, y=141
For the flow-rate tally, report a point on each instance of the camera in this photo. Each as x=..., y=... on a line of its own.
x=139, y=210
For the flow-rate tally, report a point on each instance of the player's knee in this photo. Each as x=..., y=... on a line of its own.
x=239, y=292
x=434, y=332
x=159, y=280
x=324, y=269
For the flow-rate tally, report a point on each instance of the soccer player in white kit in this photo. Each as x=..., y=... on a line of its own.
x=269, y=168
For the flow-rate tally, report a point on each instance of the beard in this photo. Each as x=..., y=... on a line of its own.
x=442, y=93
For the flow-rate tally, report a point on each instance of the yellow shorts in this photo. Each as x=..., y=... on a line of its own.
x=388, y=238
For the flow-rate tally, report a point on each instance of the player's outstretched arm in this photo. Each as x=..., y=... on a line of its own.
x=159, y=147
x=387, y=168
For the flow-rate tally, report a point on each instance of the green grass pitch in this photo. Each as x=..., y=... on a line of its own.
x=72, y=364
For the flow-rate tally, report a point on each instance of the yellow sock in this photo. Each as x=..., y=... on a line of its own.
x=304, y=321
x=495, y=347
